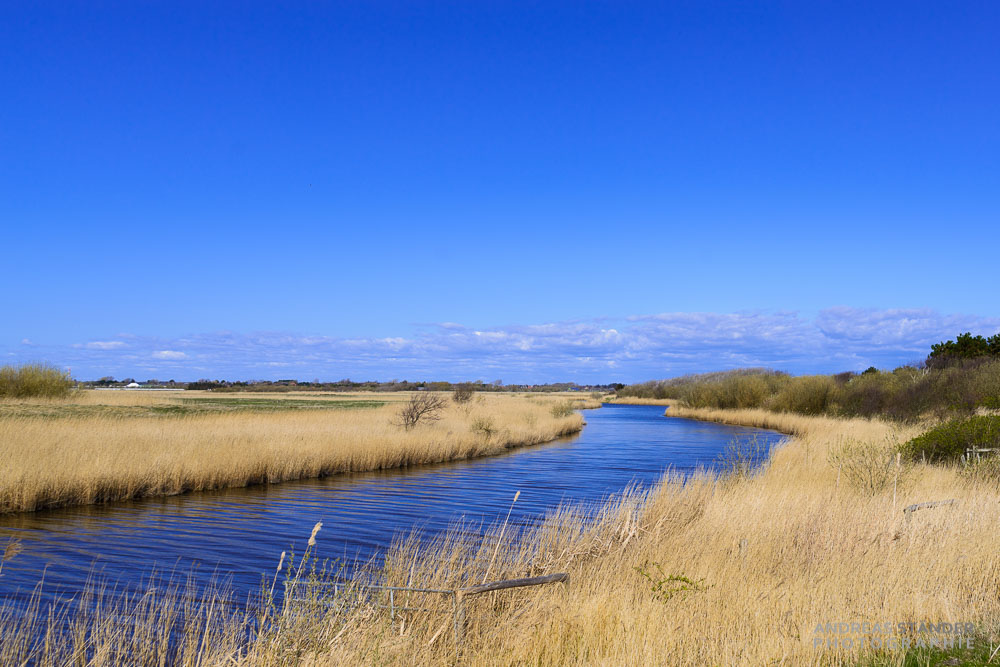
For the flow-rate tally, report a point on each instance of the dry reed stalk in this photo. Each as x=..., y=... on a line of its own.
x=493, y=559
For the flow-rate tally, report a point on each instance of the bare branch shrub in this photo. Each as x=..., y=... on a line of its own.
x=869, y=467
x=463, y=393
x=484, y=426
x=420, y=408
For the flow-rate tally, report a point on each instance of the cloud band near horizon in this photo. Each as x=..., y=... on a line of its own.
x=600, y=350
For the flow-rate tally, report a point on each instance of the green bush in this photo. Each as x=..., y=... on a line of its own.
x=806, y=395
x=34, y=381
x=949, y=441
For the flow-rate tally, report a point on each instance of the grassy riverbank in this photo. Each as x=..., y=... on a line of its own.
x=740, y=570
x=734, y=570
x=103, y=446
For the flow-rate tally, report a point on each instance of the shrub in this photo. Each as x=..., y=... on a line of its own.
x=463, y=393
x=866, y=395
x=34, y=381
x=734, y=391
x=985, y=385
x=866, y=466
x=807, y=395
x=949, y=441
x=707, y=389
x=484, y=426
x=958, y=388
x=665, y=586
x=421, y=407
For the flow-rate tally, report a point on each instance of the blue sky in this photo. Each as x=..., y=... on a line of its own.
x=602, y=190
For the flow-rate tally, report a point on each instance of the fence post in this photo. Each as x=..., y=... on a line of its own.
x=458, y=608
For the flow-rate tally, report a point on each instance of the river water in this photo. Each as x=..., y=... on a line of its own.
x=240, y=533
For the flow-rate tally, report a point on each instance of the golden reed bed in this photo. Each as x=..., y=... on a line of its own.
x=78, y=457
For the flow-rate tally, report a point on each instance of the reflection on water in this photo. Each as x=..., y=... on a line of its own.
x=240, y=533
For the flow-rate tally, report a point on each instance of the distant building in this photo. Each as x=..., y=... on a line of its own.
x=132, y=385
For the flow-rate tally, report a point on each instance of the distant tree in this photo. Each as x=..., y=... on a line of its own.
x=422, y=407
x=871, y=370
x=204, y=384
x=964, y=347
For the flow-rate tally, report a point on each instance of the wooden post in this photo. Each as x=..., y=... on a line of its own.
x=909, y=510
x=513, y=583
x=459, y=595
x=459, y=608
x=895, y=481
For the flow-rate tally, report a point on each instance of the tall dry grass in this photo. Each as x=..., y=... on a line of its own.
x=99, y=458
x=704, y=571
x=767, y=558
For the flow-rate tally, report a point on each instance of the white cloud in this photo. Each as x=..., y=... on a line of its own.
x=102, y=345
x=637, y=348
x=169, y=354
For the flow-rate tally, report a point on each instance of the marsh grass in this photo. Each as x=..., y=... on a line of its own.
x=175, y=407
x=747, y=568
x=742, y=458
x=95, y=457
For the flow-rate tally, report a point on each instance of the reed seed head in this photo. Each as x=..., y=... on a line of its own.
x=312, y=538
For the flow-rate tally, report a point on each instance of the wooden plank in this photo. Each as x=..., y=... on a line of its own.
x=513, y=583
x=927, y=505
